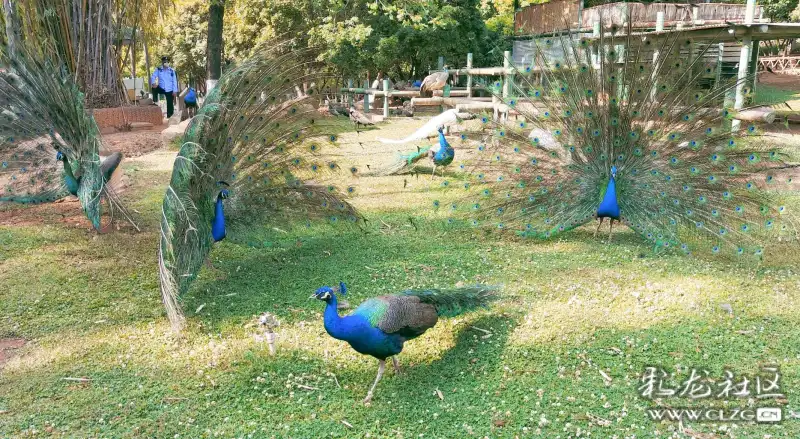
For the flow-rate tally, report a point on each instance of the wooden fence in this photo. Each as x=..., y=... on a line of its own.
x=562, y=15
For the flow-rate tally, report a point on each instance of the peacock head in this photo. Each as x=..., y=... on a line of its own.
x=327, y=293
x=223, y=194
x=613, y=172
x=60, y=156
x=440, y=129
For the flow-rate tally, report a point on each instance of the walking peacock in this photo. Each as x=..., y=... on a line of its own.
x=623, y=127
x=49, y=145
x=380, y=326
x=251, y=157
x=440, y=154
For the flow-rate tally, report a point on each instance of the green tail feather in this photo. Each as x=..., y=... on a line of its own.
x=258, y=131
x=42, y=112
x=452, y=302
x=403, y=163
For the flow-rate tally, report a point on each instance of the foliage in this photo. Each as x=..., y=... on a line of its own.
x=403, y=38
x=186, y=31
x=779, y=10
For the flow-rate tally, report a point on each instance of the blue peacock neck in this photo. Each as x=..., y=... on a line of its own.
x=218, y=224
x=609, y=207
x=331, y=319
x=70, y=181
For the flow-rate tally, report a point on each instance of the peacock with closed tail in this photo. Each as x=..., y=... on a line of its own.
x=626, y=128
x=380, y=326
x=49, y=146
x=251, y=157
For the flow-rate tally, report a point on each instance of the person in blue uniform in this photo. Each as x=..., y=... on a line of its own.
x=165, y=82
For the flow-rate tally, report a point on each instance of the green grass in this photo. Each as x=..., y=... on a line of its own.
x=769, y=94
x=89, y=305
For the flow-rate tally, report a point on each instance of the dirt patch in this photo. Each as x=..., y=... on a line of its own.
x=7, y=347
x=134, y=143
x=66, y=211
x=786, y=82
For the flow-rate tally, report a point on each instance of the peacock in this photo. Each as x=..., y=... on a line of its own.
x=49, y=146
x=626, y=128
x=358, y=118
x=252, y=157
x=440, y=154
x=380, y=326
x=434, y=81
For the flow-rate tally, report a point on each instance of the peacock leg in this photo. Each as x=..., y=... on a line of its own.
x=396, y=365
x=381, y=367
x=434, y=171
x=598, y=226
x=610, y=227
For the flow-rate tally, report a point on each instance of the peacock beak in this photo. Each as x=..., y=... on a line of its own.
x=313, y=296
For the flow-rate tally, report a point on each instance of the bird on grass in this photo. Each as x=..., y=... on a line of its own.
x=49, y=146
x=380, y=326
x=639, y=142
x=358, y=118
x=248, y=162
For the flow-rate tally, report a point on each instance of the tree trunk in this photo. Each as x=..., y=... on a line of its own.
x=146, y=62
x=216, y=13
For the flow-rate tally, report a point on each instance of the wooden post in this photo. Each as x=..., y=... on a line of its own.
x=386, y=97
x=753, y=72
x=441, y=62
x=580, y=13
x=366, y=97
x=656, y=55
x=720, y=53
x=507, y=77
x=744, y=59
x=596, y=34
x=695, y=15
x=350, y=95
x=469, y=75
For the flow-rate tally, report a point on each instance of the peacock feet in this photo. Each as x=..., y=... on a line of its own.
x=381, y=368
x=396, y=365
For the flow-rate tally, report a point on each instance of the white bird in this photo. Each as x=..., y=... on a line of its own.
x=449, y=117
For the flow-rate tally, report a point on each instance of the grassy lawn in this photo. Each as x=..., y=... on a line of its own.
x=578, y=323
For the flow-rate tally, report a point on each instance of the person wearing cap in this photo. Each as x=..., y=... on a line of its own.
x=165, y=82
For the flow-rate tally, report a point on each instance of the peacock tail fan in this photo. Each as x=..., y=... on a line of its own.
x=651, y=108
x=29, y=172
x=261, y=138
x=403, y=163
x=41, y=114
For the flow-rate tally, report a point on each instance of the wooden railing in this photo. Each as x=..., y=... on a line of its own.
x=561, y=15
x=780, y=64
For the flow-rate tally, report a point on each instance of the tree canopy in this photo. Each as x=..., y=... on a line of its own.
x=402, y=38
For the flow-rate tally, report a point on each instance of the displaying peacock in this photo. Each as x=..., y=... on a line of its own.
x=630, y=129
x=440, y=154
x=49, y=146
x=380, y=326
x=251, y=157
